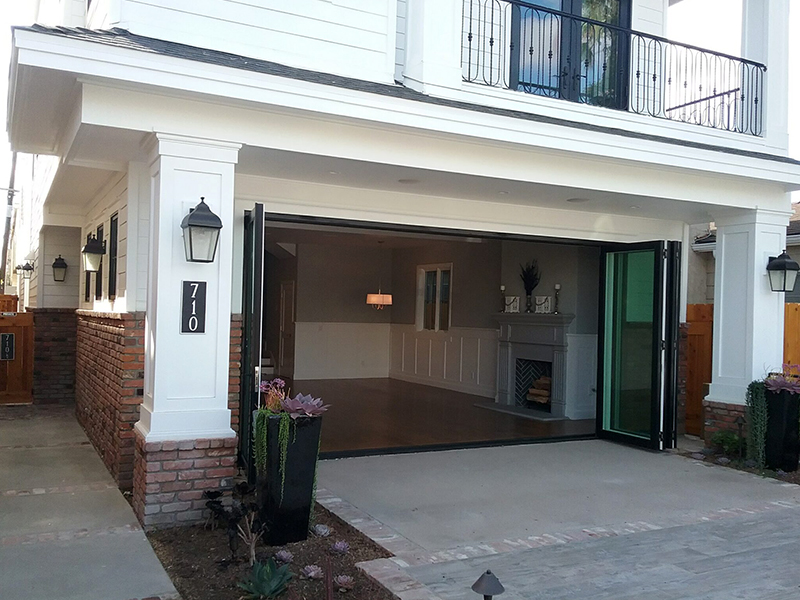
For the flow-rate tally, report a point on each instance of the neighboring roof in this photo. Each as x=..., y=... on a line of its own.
x=711, y=237
x=124, y=39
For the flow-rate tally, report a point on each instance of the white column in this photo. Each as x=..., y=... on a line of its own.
x=748, y=316
x=186, y=375
x=433, y=44
x=765, y=39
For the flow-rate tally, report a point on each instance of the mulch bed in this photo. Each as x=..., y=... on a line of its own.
x=712, y=457
x=199, y=563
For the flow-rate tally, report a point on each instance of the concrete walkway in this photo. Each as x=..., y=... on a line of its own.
x=66, y=532
x=575, y=520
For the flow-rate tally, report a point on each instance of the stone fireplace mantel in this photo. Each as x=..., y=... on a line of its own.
x=531, y=336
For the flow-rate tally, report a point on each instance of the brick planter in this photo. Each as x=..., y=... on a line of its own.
x=55, y=334
x=108, y=387
x=170, y=478
x=719, y=416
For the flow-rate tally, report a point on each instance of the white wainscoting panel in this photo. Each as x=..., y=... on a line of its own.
x=462, y=359
x=341, y=350
x=581, y=393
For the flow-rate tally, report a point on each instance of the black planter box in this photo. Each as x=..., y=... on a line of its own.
x=782, y=444
x=288, y=517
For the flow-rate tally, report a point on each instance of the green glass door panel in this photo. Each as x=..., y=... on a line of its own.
x=629, y=352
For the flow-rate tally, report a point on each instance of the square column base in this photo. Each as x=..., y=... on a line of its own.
x=721, y=416
x=169, y=478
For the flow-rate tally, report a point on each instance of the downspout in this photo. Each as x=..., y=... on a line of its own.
x=9, y=212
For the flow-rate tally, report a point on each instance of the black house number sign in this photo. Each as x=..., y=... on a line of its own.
x=6, y=346
x=193, y=309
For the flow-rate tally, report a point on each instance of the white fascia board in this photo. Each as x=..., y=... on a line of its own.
x=140, y=69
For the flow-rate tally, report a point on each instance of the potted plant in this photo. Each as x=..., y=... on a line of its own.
x=782, y=439
x=286, y=449
x=529, y=273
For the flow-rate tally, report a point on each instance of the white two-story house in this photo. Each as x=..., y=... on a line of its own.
x=422, y=152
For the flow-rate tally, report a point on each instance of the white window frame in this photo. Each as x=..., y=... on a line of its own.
x=420, y=314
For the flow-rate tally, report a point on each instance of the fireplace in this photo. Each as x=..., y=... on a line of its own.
x=532, y=356
x=533, y=381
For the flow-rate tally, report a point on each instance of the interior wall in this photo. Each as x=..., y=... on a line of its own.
x=576, y=268
x=475, y=280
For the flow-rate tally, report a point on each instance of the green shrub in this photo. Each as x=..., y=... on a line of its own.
x=729, y=442
x=757, y=422
x=267, y=581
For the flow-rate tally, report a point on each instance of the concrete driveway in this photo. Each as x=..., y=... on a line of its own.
x=447, y=515
x=66, y=532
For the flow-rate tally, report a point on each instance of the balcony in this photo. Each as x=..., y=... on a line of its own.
x=520, y=46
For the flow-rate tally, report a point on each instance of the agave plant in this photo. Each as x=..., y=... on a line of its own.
x=340, y=547
x=267, y=581
x=321, y=530
x=312, y=572
x=284, y=557
x=343, y=583
x=304, y=406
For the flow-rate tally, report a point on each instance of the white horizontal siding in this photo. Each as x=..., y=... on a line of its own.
x=400, y=45
x=348, y=37
x=650, y=16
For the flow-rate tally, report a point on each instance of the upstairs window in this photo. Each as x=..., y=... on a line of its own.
x=434, y=284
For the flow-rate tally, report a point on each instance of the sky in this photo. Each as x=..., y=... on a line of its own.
x=705, y=23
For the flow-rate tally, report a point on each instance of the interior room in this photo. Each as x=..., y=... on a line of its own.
x=423, y=341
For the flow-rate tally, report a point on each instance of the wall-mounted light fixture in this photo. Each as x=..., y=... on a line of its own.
x=25, y=271
x=201, y=229
x=93, y=253
x=782, y=271
x=59, y=269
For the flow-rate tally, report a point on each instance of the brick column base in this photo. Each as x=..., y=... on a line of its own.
x=169, y=478
x=720, y=416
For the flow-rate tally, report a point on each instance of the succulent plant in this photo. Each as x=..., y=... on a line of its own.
x=303, y=406
x=284, y=556
x=312, y=572
x=340, y=547
x=321, y=530
x=344, y=582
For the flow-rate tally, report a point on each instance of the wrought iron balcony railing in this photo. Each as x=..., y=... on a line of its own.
x=517, y=45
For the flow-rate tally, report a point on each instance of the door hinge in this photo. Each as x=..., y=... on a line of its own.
x=664, y=253
x=663, y=344
x=660, y=436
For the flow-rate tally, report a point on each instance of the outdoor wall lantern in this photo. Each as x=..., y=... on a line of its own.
x=488, y=585
x=201, y=233
x=25, y=271
x=782, y=271
x=93, y=253
x=59, y=269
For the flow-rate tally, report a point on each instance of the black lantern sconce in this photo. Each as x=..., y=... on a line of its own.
x=93, y=253
x=25, y=271
x=59, y=269
x=488, y=585
x=201, y=229
x=782, y=271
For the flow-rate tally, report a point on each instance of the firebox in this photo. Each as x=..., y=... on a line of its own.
x=533, y=381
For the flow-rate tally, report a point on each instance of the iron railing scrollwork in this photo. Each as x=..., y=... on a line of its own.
x=517, y=45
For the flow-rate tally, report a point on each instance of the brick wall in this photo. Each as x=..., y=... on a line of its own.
x=54, y=345
x=683, y=367
x=234, y=374
x=108, y=386
x=170, y=478
x=719, y=416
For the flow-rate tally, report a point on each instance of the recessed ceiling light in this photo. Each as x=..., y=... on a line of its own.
x=577, y=200
x=333, y=172
x=634, y=207
x=408, y=181
x=503, y=193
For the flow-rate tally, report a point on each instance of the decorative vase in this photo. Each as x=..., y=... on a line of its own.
x=285, y=495
x=528, y=304
x=782, y=444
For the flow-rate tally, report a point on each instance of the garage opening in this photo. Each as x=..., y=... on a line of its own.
x=425, y=339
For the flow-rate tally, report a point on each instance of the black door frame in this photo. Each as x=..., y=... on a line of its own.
x=671, y=248
x=664, y=374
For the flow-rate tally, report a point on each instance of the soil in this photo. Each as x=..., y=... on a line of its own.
x=739, y=465
x=198, y=560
